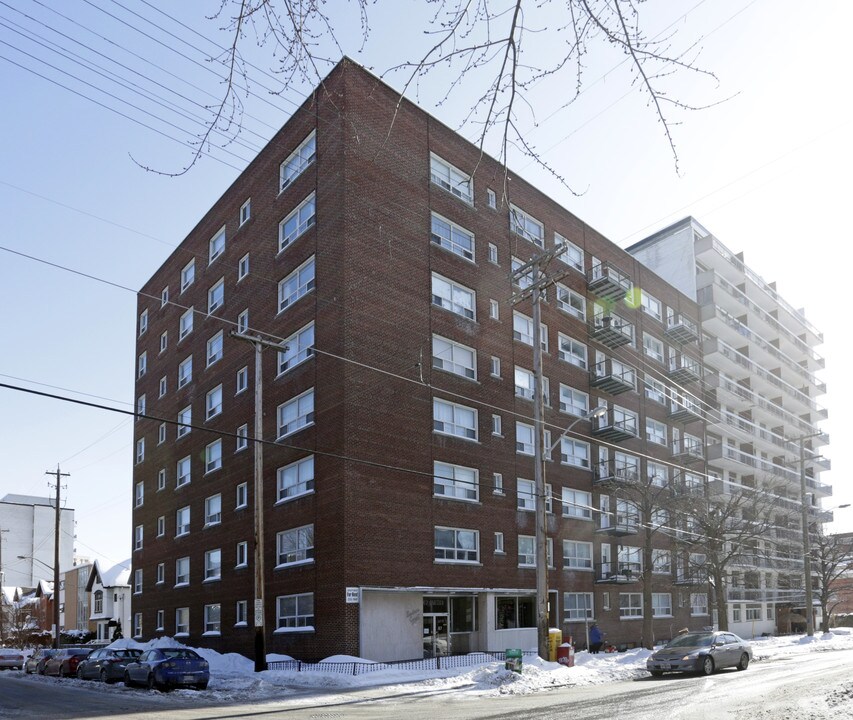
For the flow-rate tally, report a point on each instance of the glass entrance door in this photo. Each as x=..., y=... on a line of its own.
x=436, y=635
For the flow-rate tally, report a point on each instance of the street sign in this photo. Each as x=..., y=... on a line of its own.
x=352, y=595
x=259, y=613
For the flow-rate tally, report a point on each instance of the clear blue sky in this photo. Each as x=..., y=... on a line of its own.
x=767, y=172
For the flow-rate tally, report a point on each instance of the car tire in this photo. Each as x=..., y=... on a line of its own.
x=127, y=680
x=151, y=683
x=104, y=679
x=201, y=686
x=744, y=662
x=656, y=673
x=63, y=671
x=707, y=665
x=80, y=674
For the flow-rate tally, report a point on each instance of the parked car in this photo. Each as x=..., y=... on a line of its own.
x=35, y=662
x=702, y=652
x=168, y=667
x=64, y=662
x=106, y=665
x=11, y=659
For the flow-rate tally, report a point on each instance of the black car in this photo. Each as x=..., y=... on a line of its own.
x=35, y=662
x=106, y=665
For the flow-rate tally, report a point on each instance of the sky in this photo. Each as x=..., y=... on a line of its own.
x=764, y=168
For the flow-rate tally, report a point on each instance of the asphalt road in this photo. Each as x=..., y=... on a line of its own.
x=817, y=686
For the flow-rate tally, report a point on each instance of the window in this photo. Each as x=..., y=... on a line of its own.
x=300, y=346
x=571, y=302
x=295, y=546
x=452, y=419
x=188, y=275
x=140, y=450
x=183, y=473
x=630, y=605
x=243, y=321
x=137, y=537
x=526, y=492
x=661, y=561
x=452, y=237
x=164, y=340
x=572, y=255
x=491, y=199
x=298, y=160
x=246, y=211
x=161, y=526
x=753, y=612
x=653, y=347
x=496, y=367
x=523, y=383
x=137, y=581
x=455, y=545
x=213, y=403
x=577, y=504
x=573, y=402
x=161, y=573
x=455, y=298
x=497, y=424
x=296, y=479
x=185, y=372
x=577, y=555
x=454, y=358
x=213, y=456
x=657, y=474
x=164, y=297
x=182, y=571
x=242, y=382
x=699, y=606
x=163, y=386
x=182, y=621
x=455, y=481
x=522, y=330
x=216, y=296
x=497, y=483
x=296, y=414
x=242, y=554
x=214, y=349
x=524, y=438
x=140, y=406
x=212, y=614
x=139, y=494
x=161, y=479
x=526, y=551
x=142, y=364
x=241, y=614
x=655, y=390
x=213, y=510
x=577, y=606
x=655, y=431
x=185, y=419
x=661, y=605
x=182, y=521
x=243, y=267
x=574, y=452
x=295, y=612
x=493, y=253
x=299, y=283
x=494, y=309
x=185, y=324
x=572, y=351
x=242, y=496
x=523, y=280
x=297, y=222
x=527, y=226
x=451, y=179
x=137, y=625
x=216, y=245
x=515, y=612
x=143, y=321
x=651, y=305
x=213, y=565
x=242, y=438
x=499, y=543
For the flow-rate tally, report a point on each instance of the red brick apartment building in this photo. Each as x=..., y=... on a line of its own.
x=398, y=498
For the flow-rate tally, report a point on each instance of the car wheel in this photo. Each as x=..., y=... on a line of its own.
x=127, y=680
x=80, y=674
x=707, y=665
x=63, y=671
x=103, y=677
x=744, y=662
x=656, y=673
x=201, y=686
x=152, y=685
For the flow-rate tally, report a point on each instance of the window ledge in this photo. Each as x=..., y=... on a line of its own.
x=212, y=633
x=473, y=563
x=241, y=625
x=297, y=563
x=282, y=631
x=213, y=579
x=181, y=634
x=290, y=498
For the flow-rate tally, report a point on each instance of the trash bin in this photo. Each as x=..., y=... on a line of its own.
x=555, y=639
x=566, y=655
x=514, y=659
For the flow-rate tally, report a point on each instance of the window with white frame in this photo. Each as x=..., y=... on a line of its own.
x=577, y=606
x=164, y=385
x=214, y=348
x=243, y=267
x=651, y=305
x=630, y=605
x=577, y=504
x=295, y=546
x=493, y=253
x=212, y=619
x=655, y=431
x=297, y=222
x=140, y=450
x=242, y=381
x=185, y=419
x=455, y=481
x=213, y=403
x=298, y=160
x=524, y=438
x=137, y=581
x=523, y=383
x=491, y=199
x=296, y=414
x=185, y=371
x=497, y=425
x=161, y=526
x=182, y=621
x=242, y=554
x=300, y=347
x=498, y=483
x=188, y=275
x=243, y=321
x=661, y=561
x=451, y=419
x=495, y=366
x=182, y=475
x=522, y=330
x=451, y=179
x=213, y=456
x=140, y=406
x=572, y=351
x=241, y=613
x=525, y=279
x=242, y=496
x=494, y=310
x=182, y=571
x=653, y=347
x=295, y=612
x=661, y=604
x=499, y=543
x=573, y=402
x=456, y=545
x=572, y=255
x=242, y=437
x=526, y=551
x=453, y=297
x=182, y=521
x=513, y=611
x=524, y=224
x=296, y=285
x=161, y=479
x=571, y=302
x=452, y=237
x=625, y=419
x=216, y=245
x=161, y=573
x=161, y=434
x=142, y=364
x=143, y=321
x=213, y=565
x=137, y=537
x=296, y=479
x=216, y=296
x=577, y=555
x=525, y=495
x=574, y=452
x=164, y=340
x=657, y=474
x=654, y=389
x=213, y=510
x=139, y=494
x=164, y=297
x=454, y=357
x=699, y=605
x=246, y=211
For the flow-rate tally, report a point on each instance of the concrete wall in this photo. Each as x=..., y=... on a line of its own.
x=391, y=625
x=672, y=258
x=31, y=535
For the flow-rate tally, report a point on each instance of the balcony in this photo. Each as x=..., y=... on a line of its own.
x=618, y=573
x=681, y=329
x=688, y=536
x=687, y=449
x=611, y=376
x=607, y=282
x=615, y=473
x=619, y=524
x=685, y=409
x=690, y=578
x=615, y=426
x=611, y=330
x=683, y=368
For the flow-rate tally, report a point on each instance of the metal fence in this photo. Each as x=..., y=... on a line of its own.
x=359, y=668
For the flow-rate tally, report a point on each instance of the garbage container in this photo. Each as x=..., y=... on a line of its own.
x=514, y=659
x=566, y=655
x=555, y=638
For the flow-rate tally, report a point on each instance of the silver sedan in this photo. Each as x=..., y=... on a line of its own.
x=702, y=652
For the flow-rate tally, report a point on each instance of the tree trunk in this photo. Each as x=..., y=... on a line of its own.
x=648, y=639
x=722, y=604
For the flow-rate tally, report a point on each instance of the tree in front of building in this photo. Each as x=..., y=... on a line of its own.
x=832, y=561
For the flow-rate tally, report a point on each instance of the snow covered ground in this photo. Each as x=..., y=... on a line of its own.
x=233, y=678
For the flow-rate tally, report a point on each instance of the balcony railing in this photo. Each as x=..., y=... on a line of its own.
x=618, y=573
x=611, y=330
x=683, y=408
x=616, y=472
x=687, y=449
x=613, y=377
x=615, y=426
x=683, y=368
x=681, y=329
x=607, y=282
x=619, y=524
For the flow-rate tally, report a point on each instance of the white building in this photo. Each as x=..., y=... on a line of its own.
x=110, y=599
x=26, y=550
x=760, y=351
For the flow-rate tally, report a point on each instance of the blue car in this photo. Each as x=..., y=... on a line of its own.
x=165, y=668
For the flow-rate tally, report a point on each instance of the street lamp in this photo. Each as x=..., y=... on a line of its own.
x=55, y=596
x=541, y=552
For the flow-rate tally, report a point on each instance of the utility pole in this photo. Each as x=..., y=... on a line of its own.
x=807, y=543
x=260, y=631
x=58, y=475
x=534, y=269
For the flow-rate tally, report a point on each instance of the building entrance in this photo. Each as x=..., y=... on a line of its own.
x=436, y=635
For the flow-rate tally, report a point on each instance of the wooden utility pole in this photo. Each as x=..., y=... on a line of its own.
x=58, y=475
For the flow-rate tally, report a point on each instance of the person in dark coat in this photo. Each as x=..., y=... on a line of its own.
x=596, y=638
